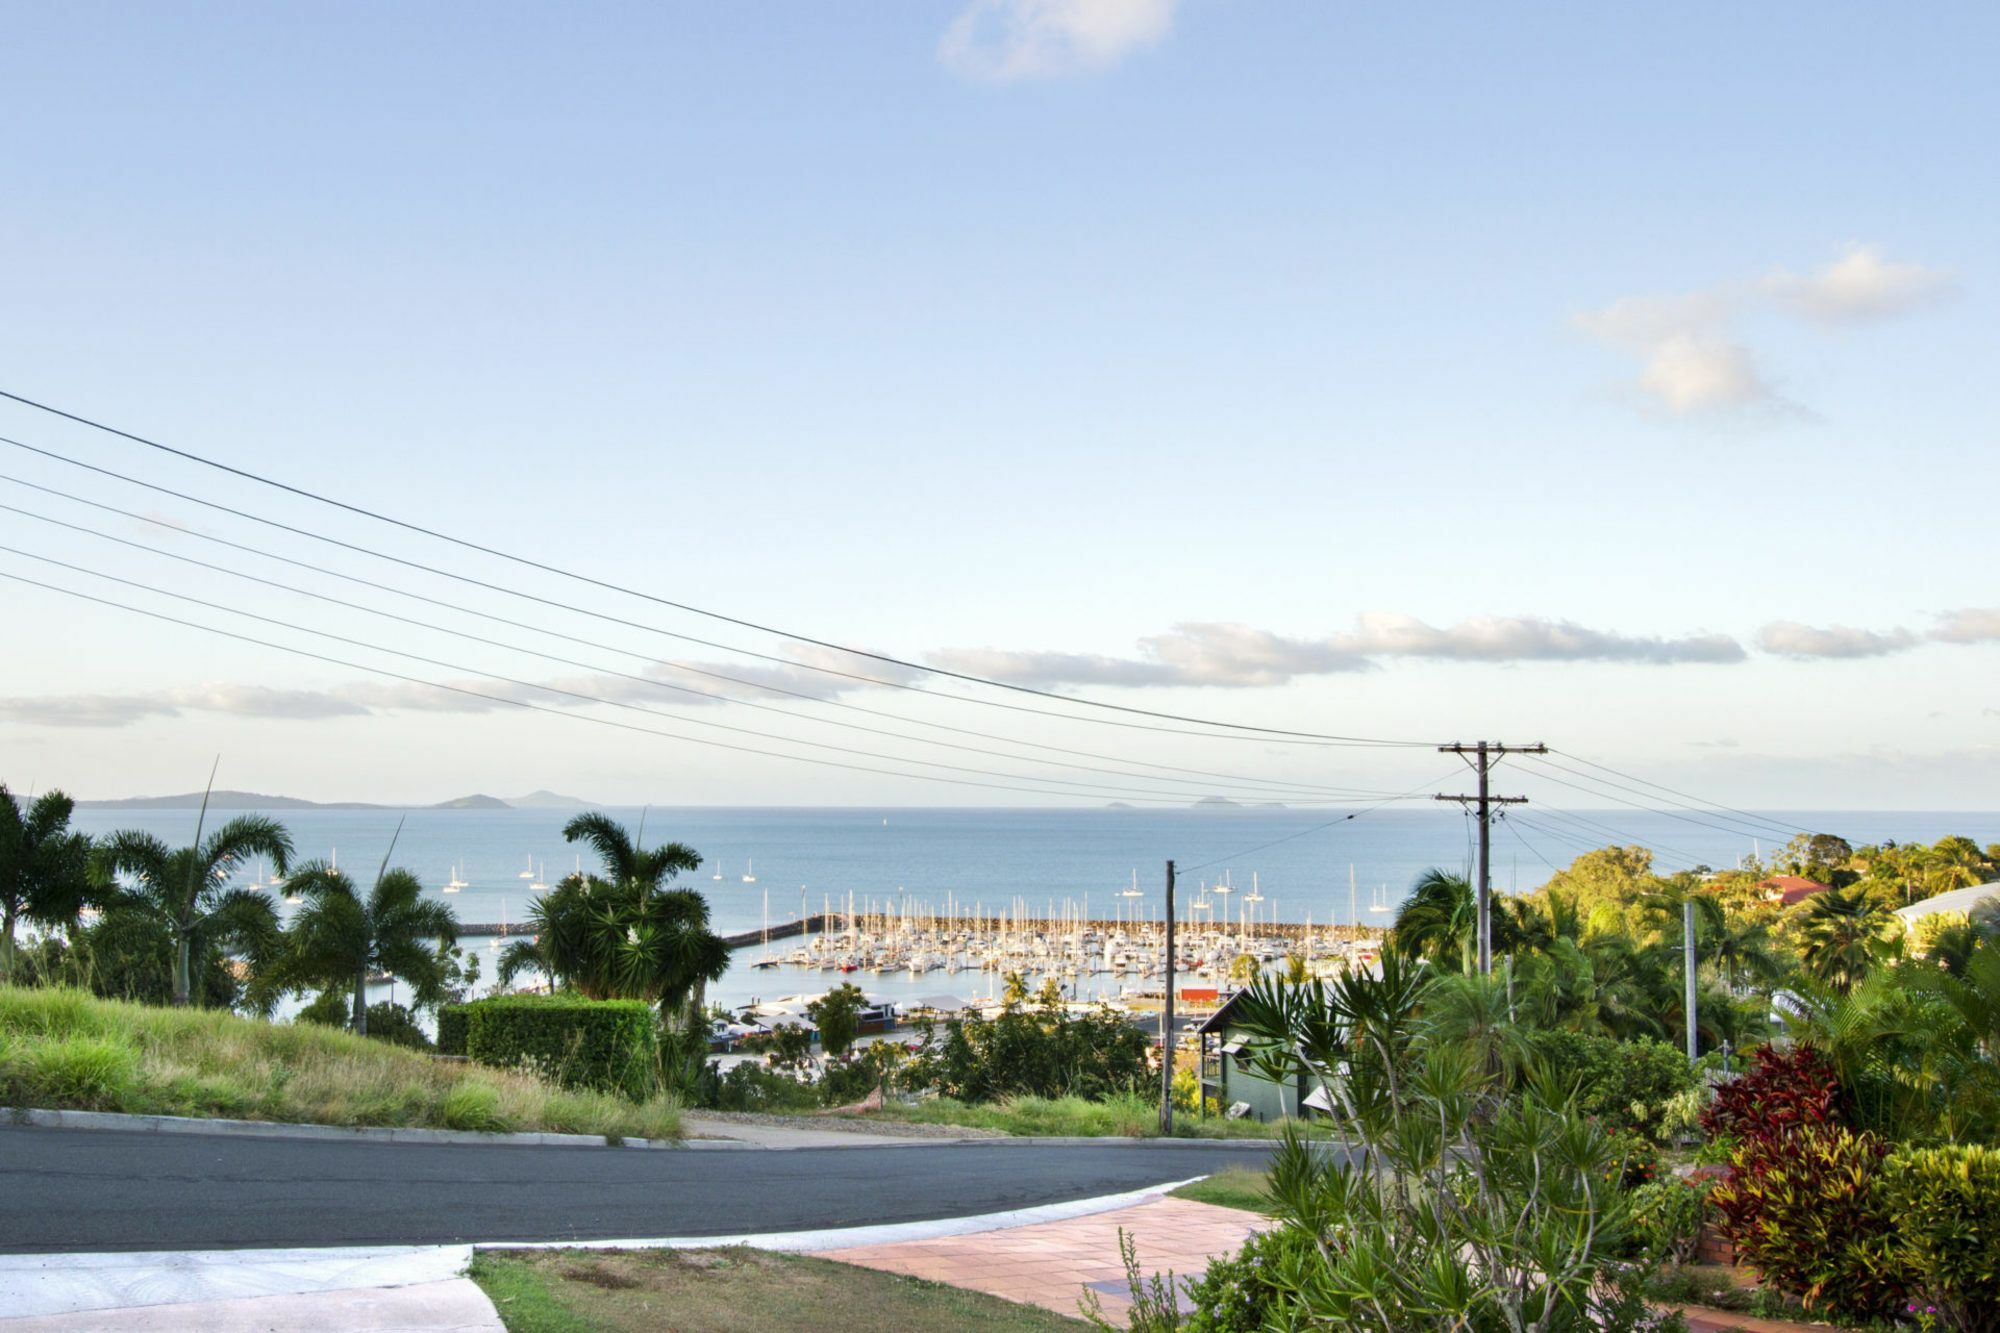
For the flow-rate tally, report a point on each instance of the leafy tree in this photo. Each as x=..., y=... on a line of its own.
x=181, y=893
x=338, y=937
x=624, y=935
x=1440, y=920
x=1843, y=934
x=837, y=1015
x=1245, y=967
x=44, y=868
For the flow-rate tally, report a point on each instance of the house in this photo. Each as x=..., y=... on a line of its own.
x=1229, y=1079
x=1788, y=890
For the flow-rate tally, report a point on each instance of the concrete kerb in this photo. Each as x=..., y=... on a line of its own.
x=264, y=1129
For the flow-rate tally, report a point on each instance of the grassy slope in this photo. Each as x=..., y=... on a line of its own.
x=730, y=1291
x=68, y=1050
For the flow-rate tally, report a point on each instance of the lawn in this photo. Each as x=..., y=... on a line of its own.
x=730, y=1291
x=1237, y=1187
x=1068, y=1117
x=67, y=1050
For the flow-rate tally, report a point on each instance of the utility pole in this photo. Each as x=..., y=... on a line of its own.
x=1167, y=1034
x=1482, y=757
x=1687, y=932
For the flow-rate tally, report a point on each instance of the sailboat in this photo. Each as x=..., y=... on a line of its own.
x=529, y=873
x=538, y=884
x=749, y=874
x=766, y=960
x=1381, y=900
x=454, y=884
x=717, y=876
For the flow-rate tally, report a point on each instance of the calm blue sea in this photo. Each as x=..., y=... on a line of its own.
x=1030, y=859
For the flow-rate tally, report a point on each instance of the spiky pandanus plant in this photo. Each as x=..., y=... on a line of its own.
x=44, y=868
x=182, y=893
x=338, y=937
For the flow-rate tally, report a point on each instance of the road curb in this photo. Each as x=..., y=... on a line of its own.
x=269, y=1129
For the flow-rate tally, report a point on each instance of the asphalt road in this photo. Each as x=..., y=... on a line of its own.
x=66, y=1189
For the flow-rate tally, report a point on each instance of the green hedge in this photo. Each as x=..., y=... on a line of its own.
x=1624, y=1084
x=452, y=1020
x=1945, y=1203
x=603, y=1045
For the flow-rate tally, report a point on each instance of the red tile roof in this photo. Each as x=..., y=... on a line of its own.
x=1789, y=889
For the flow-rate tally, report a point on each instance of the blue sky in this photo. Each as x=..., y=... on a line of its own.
x=1014, y=336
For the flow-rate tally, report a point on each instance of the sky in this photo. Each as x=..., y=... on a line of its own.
x=1618, y=378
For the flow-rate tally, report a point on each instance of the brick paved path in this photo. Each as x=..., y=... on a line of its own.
x=1051, y=1264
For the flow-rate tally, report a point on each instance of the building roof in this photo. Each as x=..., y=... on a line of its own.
x=1789, y=889
x=1958, y=900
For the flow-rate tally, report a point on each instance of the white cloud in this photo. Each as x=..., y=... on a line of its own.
x=1971, y=624
x=1239, y=657
x=1860, y=285
x=1005, y=41
x=1788, y=638
x=1688, y=363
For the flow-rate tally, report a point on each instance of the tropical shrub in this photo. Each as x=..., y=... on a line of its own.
x=1783, y=1092
x=1667, y=1217
x=600, y=1045
x=749, y=1086
x=453, y=1020
x=1239, y=1293
x=1628, y=1085
x=1040, y=1052
x=397, y=1025
x=1946, y=1206
x=1804, y=1209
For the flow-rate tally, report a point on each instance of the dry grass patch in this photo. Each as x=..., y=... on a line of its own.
x=65, y=1049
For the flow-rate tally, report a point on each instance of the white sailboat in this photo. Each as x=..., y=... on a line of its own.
x=1381, y=903
x=766, y=960
x=454, y=884
x=749, y=873
x=529, y=873
x=539, y=881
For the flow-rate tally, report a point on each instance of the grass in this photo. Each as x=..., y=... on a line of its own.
x=1122, y=1115
x=68, y=1050
x=730, y=1291
x=1236, y=1187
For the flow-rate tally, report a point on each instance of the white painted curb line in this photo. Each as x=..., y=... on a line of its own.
x=891, y=1233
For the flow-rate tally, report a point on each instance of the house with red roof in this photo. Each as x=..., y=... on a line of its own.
x=1787, y=890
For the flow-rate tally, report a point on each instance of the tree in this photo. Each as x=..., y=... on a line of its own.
x=837, y=1015
x=181, y=892
x=1842, y=934
x=44, y=868
x=337, y=937
x=1245, y=967
x=623, y=935
x=1439, y=920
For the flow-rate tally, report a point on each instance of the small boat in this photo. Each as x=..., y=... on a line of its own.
x=454, y=884
x=529, y=873
x=1381, y=903
x=539, y=884
x=749, y=874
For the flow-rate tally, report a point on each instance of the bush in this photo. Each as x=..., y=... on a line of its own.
x=1946, y=1203
x=848, y=1081
x=397, y=1025
x=1240, y=1293
x=1626, y=1085
x=1804, y=1208
x=1667, y=1217
x=1780, y=1094
x=1042, y=1052
x=601, y=1045
x=753, y=1087
x=452, y=1021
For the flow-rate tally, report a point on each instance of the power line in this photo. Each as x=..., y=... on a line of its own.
x=1751, y=823
x=545, y=708
x=1779, y=824
x=1651, y=810
x=458, y=608
x=584, y=697
x=1261, y=786
x=530, y=563
x=1299, y=738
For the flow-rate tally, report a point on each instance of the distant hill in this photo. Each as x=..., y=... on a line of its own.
x=1217, y=803
x=250, y=800
x=547, y=800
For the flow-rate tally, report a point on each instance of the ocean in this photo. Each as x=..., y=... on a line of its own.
x=1018, y=860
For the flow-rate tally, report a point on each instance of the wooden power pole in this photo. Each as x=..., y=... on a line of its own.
x=1482, y=756
x=1167, y=1033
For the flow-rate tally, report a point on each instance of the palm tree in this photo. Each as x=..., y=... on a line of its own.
x=44, y=868
x=1477, y=1014
x=1439, y=920
x=623, y=937
x=1842, y=933
x=180, y=891
x=337, y=937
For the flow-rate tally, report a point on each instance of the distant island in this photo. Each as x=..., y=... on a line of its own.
x=1217, y=803
x=250, y=800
